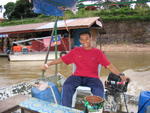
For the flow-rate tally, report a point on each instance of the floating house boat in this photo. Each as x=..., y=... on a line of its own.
x=68, y=29
x=36, y=50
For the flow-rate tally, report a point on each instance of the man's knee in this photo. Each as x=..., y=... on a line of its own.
x=98, y=91
x=67, y=87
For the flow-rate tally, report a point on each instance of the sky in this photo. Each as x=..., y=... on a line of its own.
x=4, y=2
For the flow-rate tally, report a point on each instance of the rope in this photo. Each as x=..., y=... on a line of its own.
x=125, y=103
x=68, y=32
x=64, y=45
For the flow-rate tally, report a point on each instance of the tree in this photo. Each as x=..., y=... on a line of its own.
x=9, y=8
x=22, y=9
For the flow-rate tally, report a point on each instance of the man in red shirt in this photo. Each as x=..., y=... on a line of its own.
x=86, y=59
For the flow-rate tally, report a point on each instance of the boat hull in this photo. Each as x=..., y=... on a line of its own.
x=32, y=57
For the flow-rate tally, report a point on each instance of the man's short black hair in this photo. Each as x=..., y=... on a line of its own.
x=85, y=32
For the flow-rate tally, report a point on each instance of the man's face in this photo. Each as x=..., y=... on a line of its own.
x=85, y=40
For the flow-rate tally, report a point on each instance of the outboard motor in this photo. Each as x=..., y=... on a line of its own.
x=115, y=89
x=115, y=85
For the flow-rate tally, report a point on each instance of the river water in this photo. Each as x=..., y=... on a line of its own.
x=136, y=65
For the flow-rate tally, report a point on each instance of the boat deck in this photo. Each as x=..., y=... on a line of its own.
x=3, y=55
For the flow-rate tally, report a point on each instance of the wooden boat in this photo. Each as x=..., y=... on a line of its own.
x=25, y=89
x=36, y=49
x=34, y=56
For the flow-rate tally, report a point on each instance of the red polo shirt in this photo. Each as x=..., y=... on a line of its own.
x=86, y=61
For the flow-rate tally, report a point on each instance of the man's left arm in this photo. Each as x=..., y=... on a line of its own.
x=114, y=70
x=106, y=63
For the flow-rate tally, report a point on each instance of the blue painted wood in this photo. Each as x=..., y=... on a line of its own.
x=144, y=101
x=47, y=94
x=46, y=107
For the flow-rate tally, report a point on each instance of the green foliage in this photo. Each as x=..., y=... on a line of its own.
x=42, y=16
x=9, y=9
x=27, y=21
x=19, y=10
x=117, y=14
x=69, y=14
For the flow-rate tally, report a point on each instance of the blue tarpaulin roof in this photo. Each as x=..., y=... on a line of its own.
x=52, y=7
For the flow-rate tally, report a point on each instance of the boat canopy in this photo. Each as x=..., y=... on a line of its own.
x=31, y=39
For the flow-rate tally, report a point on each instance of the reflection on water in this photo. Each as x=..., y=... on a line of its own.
x=14, y=72
x=139, y=81
x=129, y=60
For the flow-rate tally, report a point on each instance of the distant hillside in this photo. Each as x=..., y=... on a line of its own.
x=120, y=14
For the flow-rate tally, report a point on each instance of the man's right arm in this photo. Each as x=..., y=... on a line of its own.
x=67, y=59
x=57, y=61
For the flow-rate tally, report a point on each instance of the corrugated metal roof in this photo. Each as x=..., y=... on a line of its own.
x=71, y=24
x=20, y=28
x=60, y=23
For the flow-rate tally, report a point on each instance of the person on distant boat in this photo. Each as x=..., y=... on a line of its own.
x=87, y=60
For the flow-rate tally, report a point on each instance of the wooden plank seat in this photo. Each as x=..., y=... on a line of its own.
x=12, y=104
x=35, y=105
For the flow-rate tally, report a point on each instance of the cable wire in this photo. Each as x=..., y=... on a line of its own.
x=125, y=102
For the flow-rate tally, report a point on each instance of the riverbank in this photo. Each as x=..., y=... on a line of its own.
x=125, y=47
x=107, y=15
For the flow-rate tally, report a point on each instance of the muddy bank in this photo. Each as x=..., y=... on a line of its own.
x=126, y=32
x=125, y=47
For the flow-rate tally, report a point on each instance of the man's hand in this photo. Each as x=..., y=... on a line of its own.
x=114, y=70
x=57, y=61
x=125, y=79
x=45, y=67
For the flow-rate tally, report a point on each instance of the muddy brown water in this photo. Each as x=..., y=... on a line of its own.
x=135, y=64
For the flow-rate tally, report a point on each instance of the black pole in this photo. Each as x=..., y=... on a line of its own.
x=56, y=48
x=48, y=51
